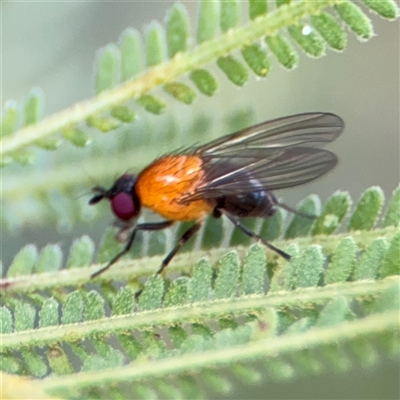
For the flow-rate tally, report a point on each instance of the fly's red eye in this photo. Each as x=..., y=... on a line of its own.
x=123, y=206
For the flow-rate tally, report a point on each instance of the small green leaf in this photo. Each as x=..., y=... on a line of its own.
x=155, y=44
x=309, y=40
x=130, y=345
x=124, y=301
x=385, y=8
x=284, y=277
x=131, y=48
x=11, y=365
x=204, y=81
x=230, y=14
x=227, y=323
x=309, y=266
x=239, y=238
x=178, y=335
x=6, y=322
x=58, y=361
x=202, y=330
x=5, y=160
x=73, y=308
x=24, y=261
x=247, y=374
x=300, y=225
x=343, y=262
x=272, y=227
x=366, y=352
x=79, y=350
x=24, y=316
x=307, y=362
x=9, y=120
x=23, y=157
x=256, y=59
x=103, y=124
x=152, y=104
x=152, y=295
x=168, y=391
x=392, y=216
x=254, y=270
x=50, y=259
x=123, y=113
x=94, y=362
x=107, y=68
x=34, y=363
x=337, y=357
x=300, y=326
x=257, y=7
x=358, y=22
x=180, y=91
x=233, y=69
x=336, y=208
x=81, y=252
x=177, y=293
x=367, y=210
x=216, y=382
x=177, y=29
x=213, y=233
x=208, y=22
x=388, y=300
x=33, y=107
x=94, y=306
x=109, y=246
x=283, y=51
x=330, y=30
x=152, y=345
x=228, y=276
x=279, y=370
x=77, y=137
x=49, y=144
x=48, y=314
x=368, y=265
x=390, y=264
x=239, y=118
x=200, y=284
x=334, y=312
x=189, y=387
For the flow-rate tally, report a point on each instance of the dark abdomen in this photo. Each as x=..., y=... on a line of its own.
x=254, y=204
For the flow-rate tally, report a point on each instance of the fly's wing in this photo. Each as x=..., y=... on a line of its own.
x=273, y=155
x=308, y=130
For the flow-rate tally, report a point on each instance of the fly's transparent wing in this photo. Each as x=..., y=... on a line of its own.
x=272, y=155
x=308, y=130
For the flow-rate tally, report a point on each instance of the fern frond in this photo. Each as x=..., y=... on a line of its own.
x=213, y=234
x=120, y=77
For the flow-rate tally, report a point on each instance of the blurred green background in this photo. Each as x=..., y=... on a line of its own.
x=52, y=45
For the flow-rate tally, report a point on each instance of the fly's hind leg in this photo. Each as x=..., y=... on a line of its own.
x=294, y=211
x=185, y=237
x=256, y=237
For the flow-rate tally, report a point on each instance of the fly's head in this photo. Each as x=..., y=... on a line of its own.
x=125, y=204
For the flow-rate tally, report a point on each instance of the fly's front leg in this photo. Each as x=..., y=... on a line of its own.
x=140, y=227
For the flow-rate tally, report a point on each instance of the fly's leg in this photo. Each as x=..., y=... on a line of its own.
x=256, y=237
x=294, y=211
x=185, y=237
x=140, y=227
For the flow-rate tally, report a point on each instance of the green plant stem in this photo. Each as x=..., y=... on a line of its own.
x=181, y=64
x=271, y=347
x=193, y=312
x=145, y=267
